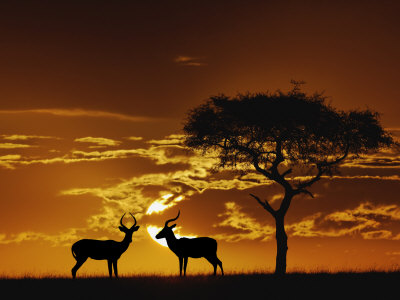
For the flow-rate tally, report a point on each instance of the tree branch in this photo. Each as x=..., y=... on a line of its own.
x=304, y=191
x=323, y=167
x=337, y=160
x=287, y=172
x=261, y=170
x=265, y=205
x=302, y=186
x=278, y=157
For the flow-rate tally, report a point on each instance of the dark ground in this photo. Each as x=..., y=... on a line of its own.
x=371, y=285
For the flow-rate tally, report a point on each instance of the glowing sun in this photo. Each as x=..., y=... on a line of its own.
x=158, y=206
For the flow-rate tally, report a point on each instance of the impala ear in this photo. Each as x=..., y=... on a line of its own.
x=173, y=226
x=122, y=228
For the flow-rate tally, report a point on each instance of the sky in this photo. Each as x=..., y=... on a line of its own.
x=93, y=97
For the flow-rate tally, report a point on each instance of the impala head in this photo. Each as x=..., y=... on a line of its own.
x=126, y=230
x=167, y=229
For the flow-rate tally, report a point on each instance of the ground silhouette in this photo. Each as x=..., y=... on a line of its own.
x=370, y=285
x=103, y=250
x=190, y=247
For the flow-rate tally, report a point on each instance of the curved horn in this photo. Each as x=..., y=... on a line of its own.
x=120, y=221
x=134, y=219
x=171, y=220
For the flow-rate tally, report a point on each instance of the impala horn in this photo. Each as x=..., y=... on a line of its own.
x=134, y=219
x=171, y=220
x=120, y=221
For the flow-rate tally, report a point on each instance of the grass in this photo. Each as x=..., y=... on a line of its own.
x=340, y=285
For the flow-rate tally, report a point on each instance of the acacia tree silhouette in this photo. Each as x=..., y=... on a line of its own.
x=282, y=135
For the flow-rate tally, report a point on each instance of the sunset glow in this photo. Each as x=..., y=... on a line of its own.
x=153, y=230
x=94, y=96
x=160, y=205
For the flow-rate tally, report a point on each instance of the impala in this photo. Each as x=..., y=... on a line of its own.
x=190, y=247
x=99, y=250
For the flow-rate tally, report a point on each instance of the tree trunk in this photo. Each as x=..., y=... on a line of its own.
x=281, y=245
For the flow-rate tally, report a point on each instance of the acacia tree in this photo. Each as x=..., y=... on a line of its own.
x=284, y=137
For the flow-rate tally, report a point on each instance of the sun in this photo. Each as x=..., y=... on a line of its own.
x=163, y=203
x=153, y=230
x=157, y=207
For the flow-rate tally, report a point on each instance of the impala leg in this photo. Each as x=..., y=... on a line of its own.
x=185, y=261
x=115, y=268
x=78, y=264
x=109, y=267
x=213, y=261
x=220, y=265
x=180, y=265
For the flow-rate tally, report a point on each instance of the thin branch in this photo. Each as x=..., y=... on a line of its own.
x=287, y=172
x=323, y=167
x=265, y=204
x=304, y=191
x=339, y=159
x=278, y=157
x=261, y=170
x=303, y=185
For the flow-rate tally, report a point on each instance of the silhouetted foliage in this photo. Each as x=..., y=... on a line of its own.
x=280, y=134
x=190, y=247
x=103, y=250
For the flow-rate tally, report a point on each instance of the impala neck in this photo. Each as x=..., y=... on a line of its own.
x=125, y=242
x=171, y=241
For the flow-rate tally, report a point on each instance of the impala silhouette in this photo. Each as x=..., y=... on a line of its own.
x=99, y=250
x=190, y=247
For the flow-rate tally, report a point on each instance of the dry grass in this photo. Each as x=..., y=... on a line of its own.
x=341, y=285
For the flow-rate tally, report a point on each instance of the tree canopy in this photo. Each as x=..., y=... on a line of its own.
x=285, y=130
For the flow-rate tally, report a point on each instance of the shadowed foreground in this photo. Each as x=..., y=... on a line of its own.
x=262, y=286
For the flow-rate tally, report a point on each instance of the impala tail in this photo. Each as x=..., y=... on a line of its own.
x=73, y=252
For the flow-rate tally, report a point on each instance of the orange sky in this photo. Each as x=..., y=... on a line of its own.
x=92, y=101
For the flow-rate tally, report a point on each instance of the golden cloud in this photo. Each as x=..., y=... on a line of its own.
x=366, y=220
x=189, y=61
x=60, y=239
x=7, y=161
x=305, y=228
x=275, y=198
x=247, y=226
x=99, y=141
x=14, y=146
x=15, y=137
x=81, y=113
x=160, y=205
x=385, y=158
x=135, y=138
x=173, y=139
x=378, y=234
x=160, y=154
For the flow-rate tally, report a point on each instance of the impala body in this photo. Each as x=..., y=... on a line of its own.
x=190, y=247
x=103, y=250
